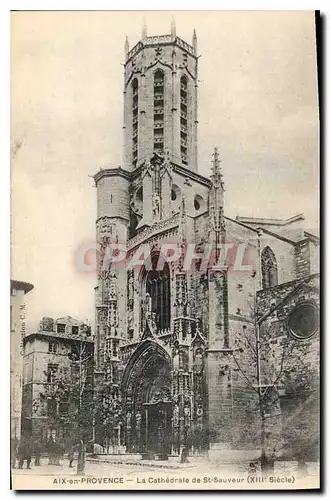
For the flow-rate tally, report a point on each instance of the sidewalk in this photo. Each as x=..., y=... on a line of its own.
x=197, y=462
x=171, y=463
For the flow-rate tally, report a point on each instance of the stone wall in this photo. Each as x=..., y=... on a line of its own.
x=292, y=364
x=174, y=62
x=302, y=256
x=36, y=359
x=112, y=197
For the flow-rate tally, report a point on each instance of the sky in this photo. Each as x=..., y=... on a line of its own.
x=258, y=104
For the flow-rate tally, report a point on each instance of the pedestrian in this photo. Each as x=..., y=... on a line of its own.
x=24, y=453
x=81, y=459
x=302, y=467
x=37, y=452
x=52, y=449
x=184, y=455
x=252, y=469
x=13, y=451
x=71, y=455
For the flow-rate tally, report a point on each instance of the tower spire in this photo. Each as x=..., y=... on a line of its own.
x=144, y=30
x=173, y=28
x=217, y=177
x=126, y=46
x=194, y=41
x=217, y=222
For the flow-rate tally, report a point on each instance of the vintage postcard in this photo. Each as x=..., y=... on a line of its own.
x=165, y=245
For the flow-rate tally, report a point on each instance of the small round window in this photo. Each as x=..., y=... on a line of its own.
x=304, y=321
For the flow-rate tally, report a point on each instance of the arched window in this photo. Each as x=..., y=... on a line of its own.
x=183, y=118
x=156, y=296
x=159, y=111
x=135, y=114
x=268, y=268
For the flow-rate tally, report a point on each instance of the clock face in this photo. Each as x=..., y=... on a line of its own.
x=304, y=321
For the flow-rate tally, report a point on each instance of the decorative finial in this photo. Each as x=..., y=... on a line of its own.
x=194, y=41
x=217, y=221
x=144, y=30
x=215, y=161
x=126, y=48
x=173, y=28
x=216, y=169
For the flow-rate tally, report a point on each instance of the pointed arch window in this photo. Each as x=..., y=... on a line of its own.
x=159, y=111
x=268, y=268
x=156, y=297
x=135, y=114
x=183, y=118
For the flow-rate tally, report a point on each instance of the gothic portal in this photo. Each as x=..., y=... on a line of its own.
x=148, y=400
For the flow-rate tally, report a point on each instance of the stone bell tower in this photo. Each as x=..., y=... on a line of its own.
x=160, y=99
x=150, y=355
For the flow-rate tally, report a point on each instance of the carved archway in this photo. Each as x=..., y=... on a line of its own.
x=146, y=390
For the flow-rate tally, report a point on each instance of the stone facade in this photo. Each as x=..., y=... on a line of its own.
x=160, y=99
x=290, y=354
x=172, y=340
x=18, y=290
x=51, y=355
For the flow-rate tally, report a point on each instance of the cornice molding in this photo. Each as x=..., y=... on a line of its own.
x=111, y=172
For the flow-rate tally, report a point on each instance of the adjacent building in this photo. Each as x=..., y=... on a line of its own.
x=58, y=369
x=18, y=290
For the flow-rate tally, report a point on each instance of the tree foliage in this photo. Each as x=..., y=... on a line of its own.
x=273, y=365
x=108, y=415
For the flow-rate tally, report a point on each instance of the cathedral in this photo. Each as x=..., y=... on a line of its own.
x=183, y=290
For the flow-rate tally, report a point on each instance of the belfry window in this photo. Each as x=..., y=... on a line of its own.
x=268, y=268
x=105, y=291
x=159, y=111
x=156, y=297
x=135, y=114
x=183, y=119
